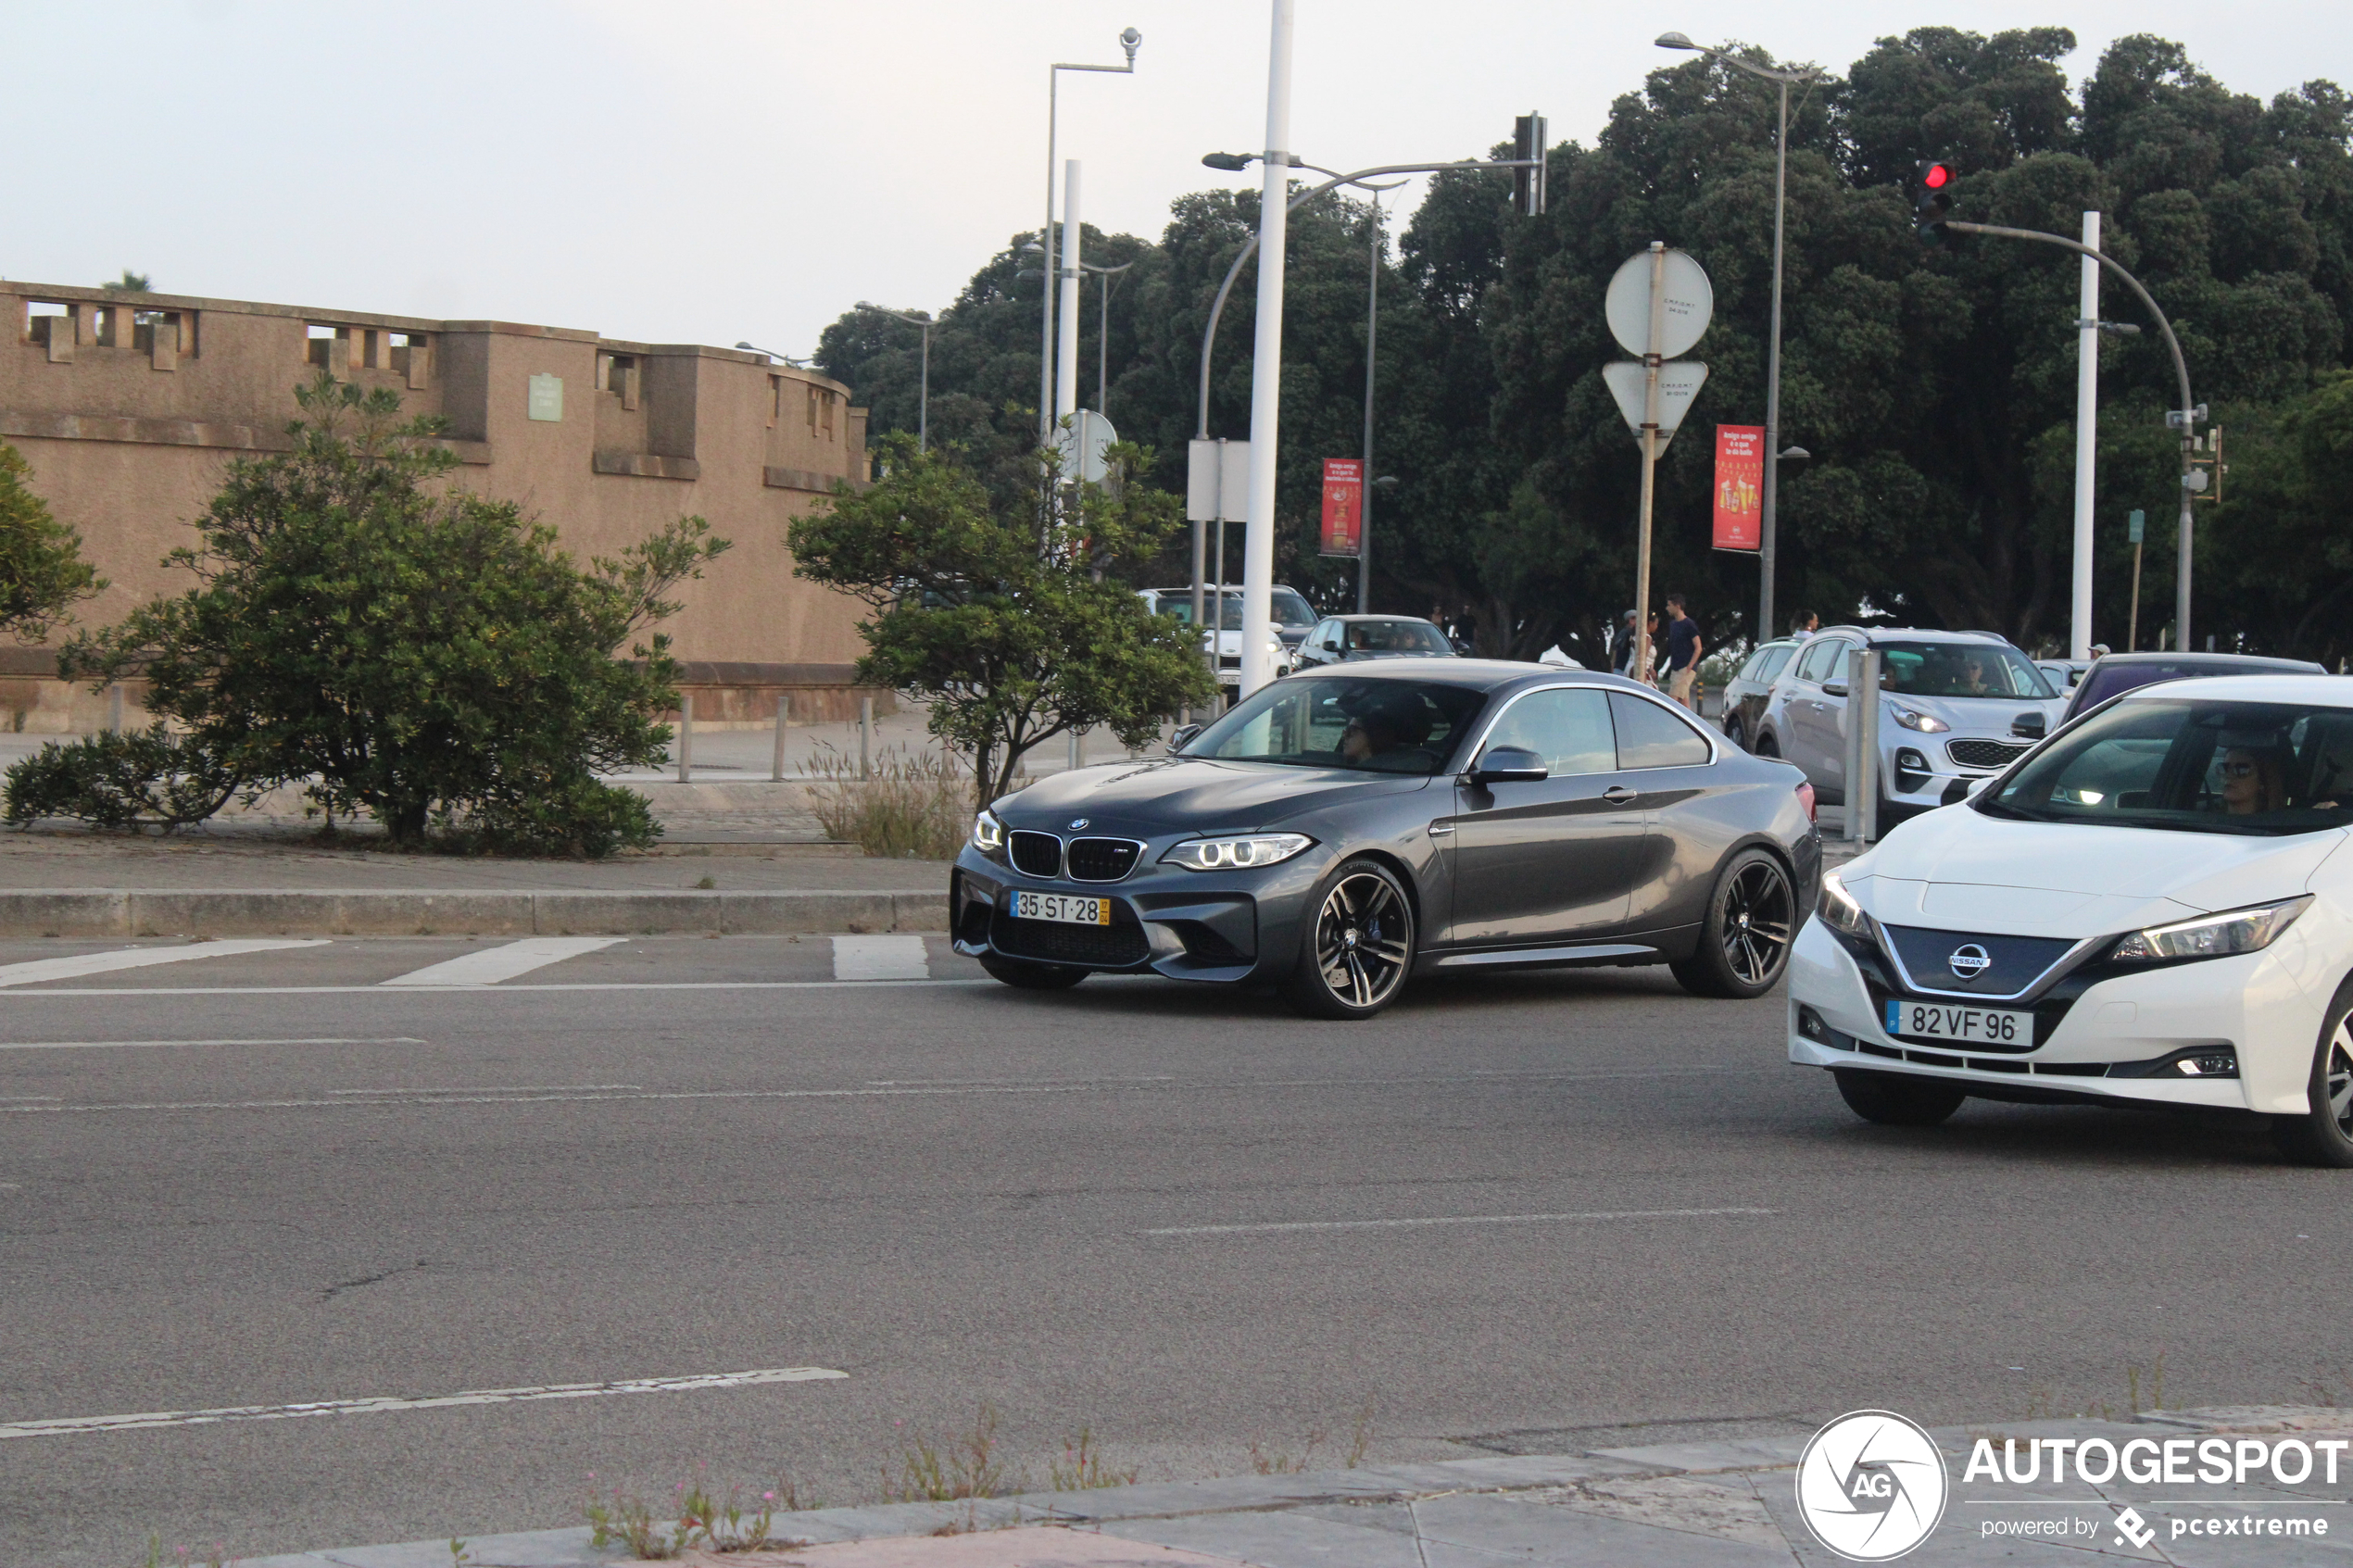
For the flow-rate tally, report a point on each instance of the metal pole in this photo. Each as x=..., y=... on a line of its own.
x=783, y=717
x=1860, y=787
x=865, y=737
x=1768, y=512
x=1046, y=310
x=2087, y=427
x=1266, y=367
x=1639, y=669
x=2186, y=417
x=923, y=415
x=1066, y=349
x=686, y=736
x=2132, y=626
x=1364, y=517
x=114, y=709
x=1102, y=355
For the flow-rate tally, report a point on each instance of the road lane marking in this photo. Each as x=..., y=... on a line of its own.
x=880, y=958
x=478, y=1098
x=388, y=1404
x=491, y=965
x=1597, y=1214
x=38, y=970
x=127, y=1045
x=489, y=1089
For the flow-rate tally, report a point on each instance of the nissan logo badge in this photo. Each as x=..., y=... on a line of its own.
x=1969, y=961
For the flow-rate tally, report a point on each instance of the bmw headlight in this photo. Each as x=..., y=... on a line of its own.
x=1926, y=723
x=1241, y=852
x=988, y=834
x=1839, y=910
x=2212, y=937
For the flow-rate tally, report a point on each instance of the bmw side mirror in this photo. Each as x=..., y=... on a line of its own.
x=1509, y=764
x=2029, y=726
x=1181, y=736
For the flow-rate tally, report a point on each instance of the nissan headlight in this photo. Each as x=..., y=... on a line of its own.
x=1926, y=723
x=1241, y=852
x=2212, y=937
x=1839, y=911
x=988, y=834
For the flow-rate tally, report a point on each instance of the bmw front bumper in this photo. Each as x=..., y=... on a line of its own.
x=2114, y=1043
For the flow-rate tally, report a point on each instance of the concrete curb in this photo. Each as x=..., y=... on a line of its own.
x=459, y=913
x=1267, y=1494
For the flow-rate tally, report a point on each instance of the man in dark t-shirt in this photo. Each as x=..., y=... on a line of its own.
x=1683, y=649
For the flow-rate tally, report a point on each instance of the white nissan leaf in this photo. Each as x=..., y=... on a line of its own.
x=2155, y=907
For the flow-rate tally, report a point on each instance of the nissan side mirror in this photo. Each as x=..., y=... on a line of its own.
x=1181, y=736
x=1509, y=764
x=1977, y=786
x=2029, y=726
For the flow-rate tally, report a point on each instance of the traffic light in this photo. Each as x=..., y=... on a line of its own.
x=1932, y=198
x=1527, y=184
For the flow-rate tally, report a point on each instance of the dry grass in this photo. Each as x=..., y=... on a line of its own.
x=912, y=805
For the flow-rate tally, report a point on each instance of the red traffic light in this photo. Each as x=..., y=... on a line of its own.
x=1937, y=177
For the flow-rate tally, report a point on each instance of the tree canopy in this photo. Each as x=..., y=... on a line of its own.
x=1934, y=387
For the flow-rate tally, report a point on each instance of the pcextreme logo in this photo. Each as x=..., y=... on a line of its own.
x=1872, y=1485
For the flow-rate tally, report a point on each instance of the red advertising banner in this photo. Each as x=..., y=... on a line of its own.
x=1343, y=505
x=1740, y=486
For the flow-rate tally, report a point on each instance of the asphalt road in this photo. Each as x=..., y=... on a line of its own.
x=1178, y=1218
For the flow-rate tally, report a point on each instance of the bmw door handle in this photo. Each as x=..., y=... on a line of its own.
x=1618, y=795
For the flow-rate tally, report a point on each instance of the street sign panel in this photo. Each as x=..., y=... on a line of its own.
x=1080, y=446
x=1690, y=302
x=1740, y=486
x=1679, y=382
x=2134, y=523
x=1343, y=505
x=1216, y=481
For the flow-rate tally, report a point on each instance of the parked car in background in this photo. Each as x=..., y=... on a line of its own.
x=1347, y=639
x=1291, y=615
x=2123, y=672
x=1745, y=693
x=2063, y=673
x=1954, y=707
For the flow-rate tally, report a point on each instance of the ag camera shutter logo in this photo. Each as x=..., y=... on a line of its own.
x=1872, y=1485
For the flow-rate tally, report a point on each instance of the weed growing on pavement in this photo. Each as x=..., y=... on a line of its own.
x=913, y=805
x=1278, y=1462
x=2155, y=1373
x=951, y=1471
x=1081, y=1467
x=700, y=1520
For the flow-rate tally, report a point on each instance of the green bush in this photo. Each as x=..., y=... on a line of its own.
x=150, y=778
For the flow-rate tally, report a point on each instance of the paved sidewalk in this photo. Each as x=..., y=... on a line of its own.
x=1726, y=1504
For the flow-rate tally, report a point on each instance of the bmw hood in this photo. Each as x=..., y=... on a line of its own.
x=1188, y=795
x=1958, y=867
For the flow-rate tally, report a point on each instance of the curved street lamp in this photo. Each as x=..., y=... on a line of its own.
x=914, y=318
x=1768, y=512
x=1130, y=40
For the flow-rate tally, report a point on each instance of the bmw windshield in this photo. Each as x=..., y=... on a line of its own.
x=1335, y=721
x=2250, y=768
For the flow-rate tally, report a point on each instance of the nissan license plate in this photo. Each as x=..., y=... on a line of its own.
x=1067, y=908
x=1975, y=1026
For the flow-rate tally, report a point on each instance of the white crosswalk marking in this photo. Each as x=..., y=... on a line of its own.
x=39, y=969
x=491, y=965
x=880, y=958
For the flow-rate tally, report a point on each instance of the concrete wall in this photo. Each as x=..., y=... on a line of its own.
x=130, y=405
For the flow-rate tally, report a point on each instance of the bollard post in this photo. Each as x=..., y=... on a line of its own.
x=1073, y=763
x=686, y=736
x=114, y=708
x=1862, y=746
x=865, y=736
x=783, y=716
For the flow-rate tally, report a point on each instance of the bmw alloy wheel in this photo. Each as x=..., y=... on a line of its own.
x=1758, y=923
x=1361, y=947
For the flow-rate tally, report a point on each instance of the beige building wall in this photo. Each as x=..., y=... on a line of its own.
x=129, y=407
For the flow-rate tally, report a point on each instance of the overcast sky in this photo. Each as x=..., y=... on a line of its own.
x=706, y=170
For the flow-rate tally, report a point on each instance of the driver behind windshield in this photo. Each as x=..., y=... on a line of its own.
x=1385, y=731
x=2253, y=782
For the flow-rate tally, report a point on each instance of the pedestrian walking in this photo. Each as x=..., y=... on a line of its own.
x=1622, y=656
x=1804, y=624
x=1683, y=650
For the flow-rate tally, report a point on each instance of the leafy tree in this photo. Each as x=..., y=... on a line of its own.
x=130, y=283
x=406, y=647
x=42, y=573
x=1011, y=643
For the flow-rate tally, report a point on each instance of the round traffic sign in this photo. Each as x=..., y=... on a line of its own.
x=1690, y=301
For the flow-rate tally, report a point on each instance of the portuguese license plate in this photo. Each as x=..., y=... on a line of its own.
x=1067, y=908
x=1974, y=1026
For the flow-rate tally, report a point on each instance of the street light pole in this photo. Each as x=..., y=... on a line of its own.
x=1102, y=338
x=1266, y=366
x=915, y=318
x=1129, y=41
x=1767, y=547
x=1371, y=326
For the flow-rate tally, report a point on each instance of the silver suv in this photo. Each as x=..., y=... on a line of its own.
x=1954, y=707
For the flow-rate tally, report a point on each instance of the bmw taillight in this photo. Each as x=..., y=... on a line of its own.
x=1806, y=797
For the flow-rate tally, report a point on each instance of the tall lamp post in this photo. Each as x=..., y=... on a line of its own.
x=914, y=318
x=1372, y=325
x=1766, y=551
x=1102, y=337
x=780, y=358
x=1129, y=41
